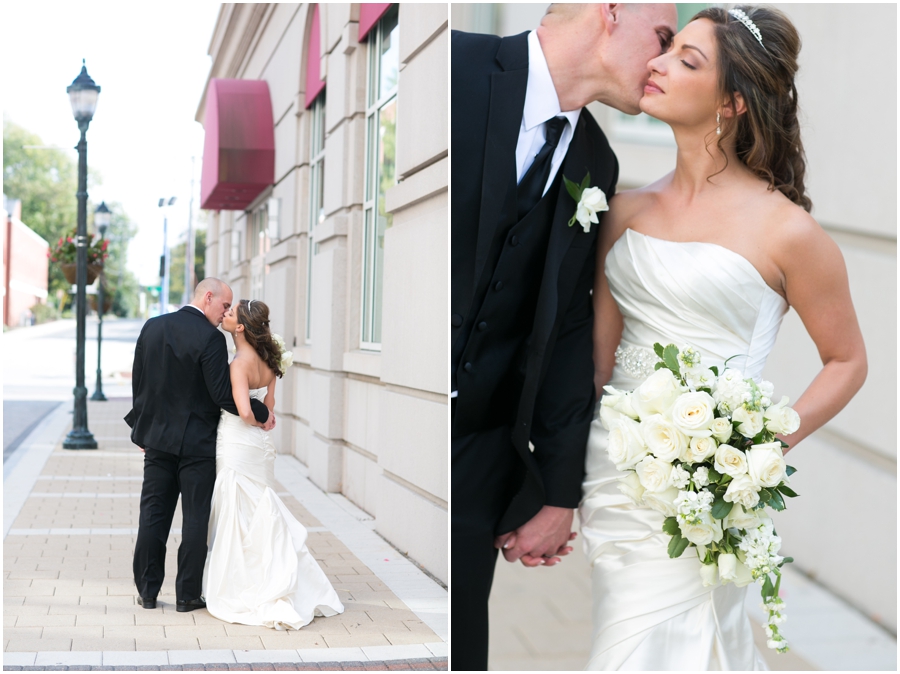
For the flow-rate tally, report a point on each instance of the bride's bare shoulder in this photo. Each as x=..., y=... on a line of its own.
x=627, y=205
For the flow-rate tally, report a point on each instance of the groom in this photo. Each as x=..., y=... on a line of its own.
x=521, y=348
x=180, y=381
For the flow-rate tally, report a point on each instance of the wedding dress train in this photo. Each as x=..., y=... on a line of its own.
x=651, y=612
x=258, y=570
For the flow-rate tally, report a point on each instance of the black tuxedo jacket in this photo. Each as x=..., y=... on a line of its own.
x=556, y=396
x=180, y=381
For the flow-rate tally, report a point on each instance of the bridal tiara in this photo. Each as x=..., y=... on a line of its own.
x=741, y=16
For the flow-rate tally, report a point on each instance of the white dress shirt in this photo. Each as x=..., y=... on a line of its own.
x=541, y=104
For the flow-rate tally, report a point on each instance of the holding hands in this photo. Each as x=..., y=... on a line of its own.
x=542, y=540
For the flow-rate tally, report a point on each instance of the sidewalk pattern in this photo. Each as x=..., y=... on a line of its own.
x=69, y=593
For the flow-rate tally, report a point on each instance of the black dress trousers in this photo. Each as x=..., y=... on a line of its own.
x=165, y=477
x=490, y=466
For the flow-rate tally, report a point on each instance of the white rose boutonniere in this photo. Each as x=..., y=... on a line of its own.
x=589, y=200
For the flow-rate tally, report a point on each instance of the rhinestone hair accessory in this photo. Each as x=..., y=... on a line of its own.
x=741, y=16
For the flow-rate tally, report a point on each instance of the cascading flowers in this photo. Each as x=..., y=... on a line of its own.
x=287, y=357
x=701, y=448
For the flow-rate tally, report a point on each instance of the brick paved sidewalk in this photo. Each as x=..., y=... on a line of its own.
x=69, y=598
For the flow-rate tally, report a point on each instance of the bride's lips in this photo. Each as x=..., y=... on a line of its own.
x=652, y=88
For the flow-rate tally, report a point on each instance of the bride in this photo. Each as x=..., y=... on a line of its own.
x=259, y=570
x=711, y=255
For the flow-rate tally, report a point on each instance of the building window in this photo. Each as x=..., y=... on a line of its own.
x=237, y=232
x=316, y=196
x=259, y=230
x=381, y=137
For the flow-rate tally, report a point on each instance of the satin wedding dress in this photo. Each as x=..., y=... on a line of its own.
x=258, y=570
x=651, y=612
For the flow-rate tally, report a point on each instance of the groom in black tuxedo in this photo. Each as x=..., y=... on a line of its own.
x=521, y=311
x=180, y=381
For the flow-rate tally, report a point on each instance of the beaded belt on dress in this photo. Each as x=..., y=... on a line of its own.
x=637, y=361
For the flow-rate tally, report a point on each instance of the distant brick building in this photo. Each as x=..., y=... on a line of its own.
x=24, y=266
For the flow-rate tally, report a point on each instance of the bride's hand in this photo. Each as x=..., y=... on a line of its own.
x=542, y=540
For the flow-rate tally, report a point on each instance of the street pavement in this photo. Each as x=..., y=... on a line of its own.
x=541, y=621
x=70, y=522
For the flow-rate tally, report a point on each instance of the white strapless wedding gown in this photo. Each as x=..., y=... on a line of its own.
x=651, y=612
x=258, y=570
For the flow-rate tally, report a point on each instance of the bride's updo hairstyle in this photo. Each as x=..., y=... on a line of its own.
x=255, y=319
x=767, y=135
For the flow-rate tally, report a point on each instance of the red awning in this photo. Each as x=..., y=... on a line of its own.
x=239, y=149
x=314, y=83
x=369, y=13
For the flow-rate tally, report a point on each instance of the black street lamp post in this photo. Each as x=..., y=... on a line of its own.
x=83, y=93
x=102, y=217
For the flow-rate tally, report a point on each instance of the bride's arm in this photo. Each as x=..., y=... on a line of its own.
x=816, y=285
x=607, y=319
x=270, y=396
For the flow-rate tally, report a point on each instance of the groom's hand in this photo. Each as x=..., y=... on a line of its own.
x=540, y=541
x=270, y=422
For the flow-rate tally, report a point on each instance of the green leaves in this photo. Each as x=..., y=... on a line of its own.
x=677, y=545
x=670, y=526
x=658, y=350
x=787, y=491
x=715, y=370
x=721, y=508
x=670, y=358
x=790, y=470
x=575, y=191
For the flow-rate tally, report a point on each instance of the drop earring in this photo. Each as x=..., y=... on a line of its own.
x=718, y=128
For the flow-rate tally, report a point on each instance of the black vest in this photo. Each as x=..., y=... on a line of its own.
x=490, y=363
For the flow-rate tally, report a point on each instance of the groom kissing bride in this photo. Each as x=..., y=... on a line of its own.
x=551, y=301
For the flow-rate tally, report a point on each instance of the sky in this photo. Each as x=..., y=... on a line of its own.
x=151, y=63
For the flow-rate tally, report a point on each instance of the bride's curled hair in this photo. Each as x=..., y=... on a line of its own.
x=767, y=135
x=254, y=316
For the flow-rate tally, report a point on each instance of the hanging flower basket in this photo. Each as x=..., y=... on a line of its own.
x=70, y=269
x=65, y=253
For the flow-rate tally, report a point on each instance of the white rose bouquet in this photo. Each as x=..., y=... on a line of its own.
x=287, y=357
x=700, y=448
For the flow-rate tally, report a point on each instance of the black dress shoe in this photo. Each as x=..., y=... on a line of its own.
x=146, y=603
x=183, y=605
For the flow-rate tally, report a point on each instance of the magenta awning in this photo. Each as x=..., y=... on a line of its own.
x=239, y=149
x=314, y=83
x=369, y=13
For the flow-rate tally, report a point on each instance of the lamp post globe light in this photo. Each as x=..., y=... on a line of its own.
x=102, y=217
x=83, y=94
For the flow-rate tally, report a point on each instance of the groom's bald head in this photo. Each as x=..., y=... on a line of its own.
x=213, y=297
x=601, y=51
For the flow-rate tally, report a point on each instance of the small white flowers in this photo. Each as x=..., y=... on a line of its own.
x=700, y=449
x=287, y=357
x=589, y=201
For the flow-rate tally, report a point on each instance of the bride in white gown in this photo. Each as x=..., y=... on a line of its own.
x=258, y=570
x=711, y=255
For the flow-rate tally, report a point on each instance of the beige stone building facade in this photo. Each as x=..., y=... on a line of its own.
x=842, y=531
x=347, y=244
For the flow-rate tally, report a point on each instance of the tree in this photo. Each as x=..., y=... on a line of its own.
x=45, y=181
x=176, y=265
x=121, y=282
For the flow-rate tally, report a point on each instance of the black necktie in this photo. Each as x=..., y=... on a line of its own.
x=531, y=187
